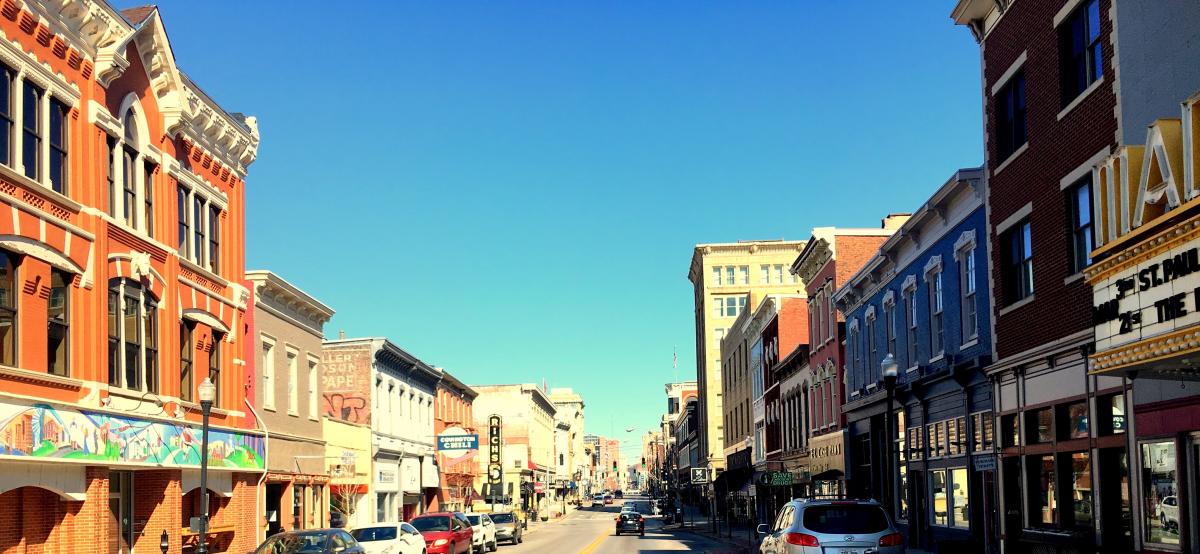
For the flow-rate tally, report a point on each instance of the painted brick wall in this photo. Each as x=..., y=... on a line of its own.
x=1055, y=147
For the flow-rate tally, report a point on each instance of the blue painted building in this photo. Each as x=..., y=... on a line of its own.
x=924, y=299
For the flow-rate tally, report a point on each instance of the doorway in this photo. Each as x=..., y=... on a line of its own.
x=918, y=509
x=120, y=505
x=274, y=501
x=1116, y=520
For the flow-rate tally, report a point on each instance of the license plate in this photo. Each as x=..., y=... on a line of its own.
x=849, y=551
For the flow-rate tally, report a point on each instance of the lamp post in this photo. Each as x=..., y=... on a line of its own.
x=164, y=542
x=891, y=371
x=207, y=393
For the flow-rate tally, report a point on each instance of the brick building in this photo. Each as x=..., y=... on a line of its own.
x=454, y=415
x=125, y=184
x=920, y=300
x=1049, y=97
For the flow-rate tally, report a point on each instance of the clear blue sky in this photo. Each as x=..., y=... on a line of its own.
x=511, y=190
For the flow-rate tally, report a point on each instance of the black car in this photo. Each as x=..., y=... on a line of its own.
x=631, y=522
x=316, y=541
x=619, y=494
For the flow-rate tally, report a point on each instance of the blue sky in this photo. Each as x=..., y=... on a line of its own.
x=511, y=190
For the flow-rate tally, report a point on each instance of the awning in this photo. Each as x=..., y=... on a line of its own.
x=831, y=475
x=733, y=479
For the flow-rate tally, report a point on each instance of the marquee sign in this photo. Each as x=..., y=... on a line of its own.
x=495, y=468
x=1155, y=296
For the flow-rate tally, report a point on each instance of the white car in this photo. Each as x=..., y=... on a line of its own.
x=483, y=532
x=1168, y=513
x=598, y=501
x=393, y=537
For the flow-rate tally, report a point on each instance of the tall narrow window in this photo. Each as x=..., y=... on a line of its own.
x=1016, y=271
x=889, y=315
x=58, y=145
x=129, y=187
x=58, y=333
x=970, y=320
x=744, y=275
x=31, y=121
x=312, y=388
x=1079, y=198
x=114, y=335
x=133, y=336
x=214, y=365
x=214, y=239
x=187, y=346
x=937, y=332
x=910, y=312
x=111, y=175
x=764, y=274
x=1010, y=117
x=148, y=197
x=716, y=276
x=268, y=374
x=1079, y=48
x=293, y=385
x=8, y=309
x=198, y=227
x=729, y=275
x=6, y=116
x=185, y=231
x=779, y=274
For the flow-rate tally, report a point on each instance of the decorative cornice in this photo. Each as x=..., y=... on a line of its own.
x=1167, y=345
x=814, y=256
x=965, y=240
x=889, y=298
x=1152, y=246
x=869, y=313
x=910, y=283
x=933, y=265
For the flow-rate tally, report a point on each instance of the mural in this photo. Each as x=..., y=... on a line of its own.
x=345, y=383
x=43, y=431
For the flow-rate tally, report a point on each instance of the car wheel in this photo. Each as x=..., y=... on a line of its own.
x=493, y=547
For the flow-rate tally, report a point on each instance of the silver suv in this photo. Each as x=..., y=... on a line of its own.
x=831, y=527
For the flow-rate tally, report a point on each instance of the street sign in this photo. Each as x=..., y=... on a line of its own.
x=699, y=476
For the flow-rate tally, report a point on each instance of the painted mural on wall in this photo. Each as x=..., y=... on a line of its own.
x=44, y=431
x=345, y=383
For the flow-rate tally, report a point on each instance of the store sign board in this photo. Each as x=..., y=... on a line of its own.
x=826, y=453
x=1157, y=295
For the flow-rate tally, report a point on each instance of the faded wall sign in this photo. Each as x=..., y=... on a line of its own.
x=346, y=382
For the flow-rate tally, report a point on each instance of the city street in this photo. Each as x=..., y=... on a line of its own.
x=590, y=531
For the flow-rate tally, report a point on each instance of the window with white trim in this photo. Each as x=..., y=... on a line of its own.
x=293, y=386
x=59, y=330
x=132, y=336
x=268, y=373
x=35, y=127
x=889, y=322
x=313, y=410
x=937, y=331
x=872, y=347
x=910, y=311
x=7, y=117
x=187, y=369
x=31, y=136
x=970, y=319
x=8, y=308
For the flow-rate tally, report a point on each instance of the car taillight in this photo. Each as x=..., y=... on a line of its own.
x=894, y=539
x=801, y=539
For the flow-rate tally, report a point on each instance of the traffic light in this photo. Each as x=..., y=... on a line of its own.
x=643, y=462
x=614, y=465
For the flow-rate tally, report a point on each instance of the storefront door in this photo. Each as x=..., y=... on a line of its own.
x=918, y=509
x=1116, y=525
x=120, y=504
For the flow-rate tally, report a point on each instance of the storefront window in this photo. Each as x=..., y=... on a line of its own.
x=1075, y=419
x=1111, y=414
x=1043, y=506
x=1010, y=427
x=941, y=512
x=961, y=496
x=981, y=432
x=1160, y=511
x=1042, y=422
x=902, y=509
x=1081, y=488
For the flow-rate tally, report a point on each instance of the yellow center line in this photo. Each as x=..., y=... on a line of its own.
x=594, y=545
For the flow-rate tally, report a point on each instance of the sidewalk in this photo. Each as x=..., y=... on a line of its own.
x=743, y=539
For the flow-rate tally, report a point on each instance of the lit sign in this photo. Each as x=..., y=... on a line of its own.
x=1153, y=297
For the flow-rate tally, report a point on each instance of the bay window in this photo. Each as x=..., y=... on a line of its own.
x=132, y=336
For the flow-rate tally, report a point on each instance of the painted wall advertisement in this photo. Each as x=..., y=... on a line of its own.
x=346, y=382
x=45, y=431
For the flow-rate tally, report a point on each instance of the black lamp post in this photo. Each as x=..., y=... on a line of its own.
x=891, y=371
x=164, y=542
x=207, y=393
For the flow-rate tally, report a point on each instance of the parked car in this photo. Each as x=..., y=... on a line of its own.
x=315, y=541
x=619, y=494
x=598, y=500
x=608, y=499
x=817, y=526
x=444, y=533
x=1167, y=513
x=486, y=537
x=631, y=522
x=508, y=527
x=390, y=538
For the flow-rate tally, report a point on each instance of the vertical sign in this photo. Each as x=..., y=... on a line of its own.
x=495, y=467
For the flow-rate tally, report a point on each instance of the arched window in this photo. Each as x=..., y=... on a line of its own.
x=130, y=176
x=132, y=336
x=129, y=156
x=8, y=308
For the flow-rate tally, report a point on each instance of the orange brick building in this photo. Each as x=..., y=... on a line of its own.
x=453, y=411
x=121, y=258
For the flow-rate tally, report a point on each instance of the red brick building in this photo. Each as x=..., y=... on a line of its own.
x=453, y=410
x=120, y=289
x=1050, y=116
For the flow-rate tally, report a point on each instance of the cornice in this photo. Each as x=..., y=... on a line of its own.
x=814, y=257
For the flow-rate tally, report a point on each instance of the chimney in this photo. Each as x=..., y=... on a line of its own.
x=893, y=221
x=341, y=334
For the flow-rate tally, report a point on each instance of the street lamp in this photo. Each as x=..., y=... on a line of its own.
x=891, y=371
x=164, y=542
x=207, y=393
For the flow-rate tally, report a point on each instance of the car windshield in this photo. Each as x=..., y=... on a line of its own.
x=369, y=534
x=630, y=515
x=431, y=523
x=502, y=518
x=473, y=519
x=295, y=543
x=850, y=518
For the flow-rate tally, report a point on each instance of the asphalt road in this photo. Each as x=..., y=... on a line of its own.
x=590, y=531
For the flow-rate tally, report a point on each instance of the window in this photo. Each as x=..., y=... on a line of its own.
x=764, y=276
x=1010, y=426
x=1041, y=426
x=915, y=450
x=941, y=508
x=744, y=275
x=872, y=347
x=1079, y=198
x=910, y=300
x=268, y=374
x=1010, y=117
x=833, y=323
x=1016, y=271
x=148, y=197
x=128, y=183
x=214, y=365
x=1080, y=61
x=889, y=321
x=214, y=239
x=132, y=336
x=8, y=308
x=111, y=176
x=1081, y=489
x=716, y=276
x=58, y=332
x=779, y=274
x=1111, y=414
x=730, y=306
x=970, y=322
x=293, y=386
x=953, y=448
x=960, y=498
x=982, y=433
x=187, y=381
x=1160, y=492
x=937, y=331
x=31, y=121
x=6, y=116
x=181, y=202
x=1073, y=418
x=58, y=145
x=1043, y=502
x=820, y=320
x=312, y=388
x=198, y=229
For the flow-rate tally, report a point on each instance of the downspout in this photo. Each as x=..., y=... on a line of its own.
x=259, y=492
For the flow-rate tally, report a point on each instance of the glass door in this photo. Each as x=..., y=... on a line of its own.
x=120, y=506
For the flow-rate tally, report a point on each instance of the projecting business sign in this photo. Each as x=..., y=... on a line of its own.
x=456, y=443
x=495, y=467
x=699, y=475
x=1158, y=295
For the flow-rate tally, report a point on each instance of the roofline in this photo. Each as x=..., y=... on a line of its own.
x=268, y=276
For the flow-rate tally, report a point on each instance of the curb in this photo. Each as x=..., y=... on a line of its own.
x=738, y=548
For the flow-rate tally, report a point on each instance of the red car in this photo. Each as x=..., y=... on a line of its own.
x=444, y=533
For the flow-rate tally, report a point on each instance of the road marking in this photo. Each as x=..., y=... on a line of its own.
x=595, y=544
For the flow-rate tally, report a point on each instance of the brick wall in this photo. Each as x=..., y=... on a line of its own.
x=1054, y=149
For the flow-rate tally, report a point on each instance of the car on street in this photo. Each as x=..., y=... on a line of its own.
x=618, y=494
x=389, y=538
x=444, y=533
x=608, y=499
x=1167, y=512
x=508, y=528
x=315, y=541
x=628, y=508
x=484, y=532
x=808, y=526
x=631, y=522
x=598, y=500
